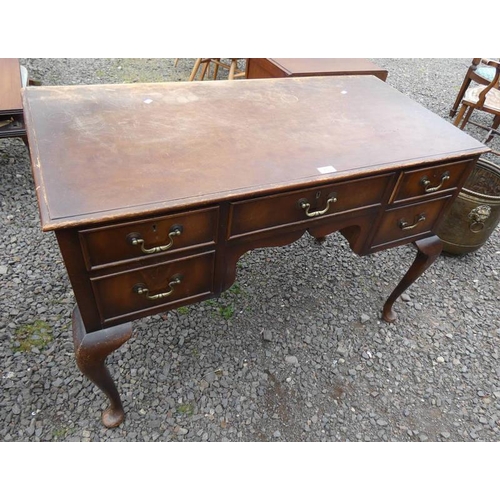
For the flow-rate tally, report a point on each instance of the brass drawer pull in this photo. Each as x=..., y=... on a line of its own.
x=141, y=289
x=404, y=225
x=6, y=122
x=135, y=239
x=305, y=205
x=426, y=183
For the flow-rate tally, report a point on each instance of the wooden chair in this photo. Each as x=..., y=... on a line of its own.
x=481, y=71
x=482, y=98
x=232, y=67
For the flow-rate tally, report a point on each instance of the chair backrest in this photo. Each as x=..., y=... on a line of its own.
x=493, y=83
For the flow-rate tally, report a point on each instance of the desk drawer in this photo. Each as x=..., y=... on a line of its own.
x=408, y=221
x=161, y=235
x=430, y=180
x=291, y=208
x=152, y=287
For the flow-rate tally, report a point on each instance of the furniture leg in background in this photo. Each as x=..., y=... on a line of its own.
x=232, y=68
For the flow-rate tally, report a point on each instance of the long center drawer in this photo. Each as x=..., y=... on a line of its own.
x=299, y=206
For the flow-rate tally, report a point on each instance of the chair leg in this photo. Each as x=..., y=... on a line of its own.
x=216, y=68
x=494, y=126
x=232, y=69
x=195, y=69
x=206, y=66
x=467, y=116
x=461, y=93
x=458, y=119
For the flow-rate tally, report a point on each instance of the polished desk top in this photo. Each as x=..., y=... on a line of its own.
x=102, y=152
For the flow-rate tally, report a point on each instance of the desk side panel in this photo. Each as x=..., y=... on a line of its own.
x=69, y=244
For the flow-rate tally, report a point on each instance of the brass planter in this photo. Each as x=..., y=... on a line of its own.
x=475, y=212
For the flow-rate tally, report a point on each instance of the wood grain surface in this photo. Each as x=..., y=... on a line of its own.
x=102, y=152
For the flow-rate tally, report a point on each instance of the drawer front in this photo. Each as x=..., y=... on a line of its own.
x=430, y=180
x=299, y=206
x=161, y=235
x=408, y=221
x=152, y=287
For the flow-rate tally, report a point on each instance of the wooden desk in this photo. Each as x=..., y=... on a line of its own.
x=154, y=191
x=282, y=67
x=11, y=106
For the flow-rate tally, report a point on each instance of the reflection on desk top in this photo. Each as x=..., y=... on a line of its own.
x=103, y=152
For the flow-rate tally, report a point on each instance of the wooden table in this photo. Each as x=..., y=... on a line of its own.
x=11, y=106
x=154, y=191
x=283, y=67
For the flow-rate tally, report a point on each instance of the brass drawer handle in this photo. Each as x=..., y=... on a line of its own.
x=141, y=289
x=6, y=122
x=405, y=225
x=305, y=205
x=135, y=239
x=426, y=183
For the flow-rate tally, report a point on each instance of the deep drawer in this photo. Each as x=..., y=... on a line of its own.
x=152, y=287
x=430, y=180
x=408, y=221
x=322, y=201
x=161, y=235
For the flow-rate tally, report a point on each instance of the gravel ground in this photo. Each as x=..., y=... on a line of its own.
x=294, y=351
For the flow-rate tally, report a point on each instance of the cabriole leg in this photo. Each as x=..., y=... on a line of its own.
x=429, y=250
x=91, y=351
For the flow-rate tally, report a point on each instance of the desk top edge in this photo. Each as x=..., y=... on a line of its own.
x=154, y=209
x=51, y=221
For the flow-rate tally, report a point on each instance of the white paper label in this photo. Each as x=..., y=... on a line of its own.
x=326, y=170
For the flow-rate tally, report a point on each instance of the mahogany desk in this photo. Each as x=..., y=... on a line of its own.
x=154, y=191
x=286, y=67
